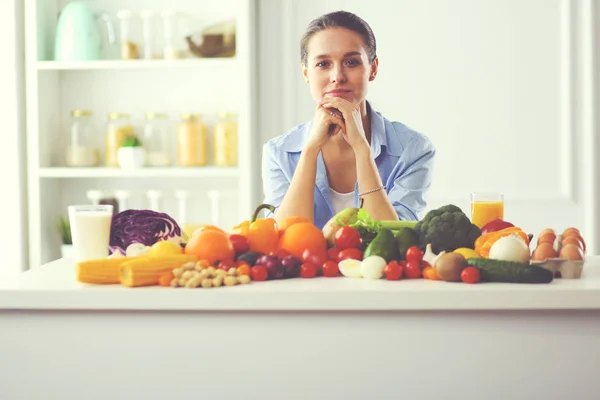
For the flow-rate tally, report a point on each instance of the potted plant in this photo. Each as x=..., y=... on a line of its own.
x=64, y=228
x=131, y=154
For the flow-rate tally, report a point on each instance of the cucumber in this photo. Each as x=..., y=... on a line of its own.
x=510, y=272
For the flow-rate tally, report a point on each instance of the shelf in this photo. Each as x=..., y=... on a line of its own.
x=134, y=64
x=173, y=172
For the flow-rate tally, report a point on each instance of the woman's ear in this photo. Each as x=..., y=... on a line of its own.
x=305, y=73
x=374, y=68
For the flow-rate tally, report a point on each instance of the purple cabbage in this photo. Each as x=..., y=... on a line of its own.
x=142, y=226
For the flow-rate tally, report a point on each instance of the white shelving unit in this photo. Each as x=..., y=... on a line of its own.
x=174, y=172
x=201, y=85
x=106, y=65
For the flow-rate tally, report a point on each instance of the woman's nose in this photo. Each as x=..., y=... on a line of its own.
x=337, y=74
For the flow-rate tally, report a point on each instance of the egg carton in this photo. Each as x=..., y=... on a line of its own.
x=562, y=267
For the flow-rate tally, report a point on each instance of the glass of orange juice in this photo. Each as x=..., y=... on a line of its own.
x=486, y=207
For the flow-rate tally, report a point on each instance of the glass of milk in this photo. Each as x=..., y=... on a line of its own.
x=90, y=230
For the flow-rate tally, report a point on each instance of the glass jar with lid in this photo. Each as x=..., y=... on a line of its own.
x=225, y=145
x=191, y=141
x=118, y=129
x=130, y=43
x=82, y=150
x=150, y=24
x=157, y=140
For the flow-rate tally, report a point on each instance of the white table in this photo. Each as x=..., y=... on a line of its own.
x=299, y=339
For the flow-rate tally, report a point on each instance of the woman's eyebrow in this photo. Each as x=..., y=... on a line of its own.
x=349, y=54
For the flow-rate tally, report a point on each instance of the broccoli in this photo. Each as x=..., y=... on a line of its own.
x=447, y=229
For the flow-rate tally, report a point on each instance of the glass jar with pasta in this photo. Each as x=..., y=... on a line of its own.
x=118, y=129
x=225, y=146
x=192, y=141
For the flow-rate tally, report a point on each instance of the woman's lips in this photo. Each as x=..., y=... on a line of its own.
x=338, y=93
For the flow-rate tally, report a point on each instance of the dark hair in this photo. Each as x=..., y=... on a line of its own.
x=339, y=19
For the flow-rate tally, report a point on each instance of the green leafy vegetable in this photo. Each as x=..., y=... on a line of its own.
x=132, y=142
x=368, y=228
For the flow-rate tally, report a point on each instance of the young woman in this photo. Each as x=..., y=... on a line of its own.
x=348, y=152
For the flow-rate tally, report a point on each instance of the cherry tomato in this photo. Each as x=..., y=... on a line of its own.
x=347, y=238
x=350, y=253
x=330, y=269
x=412, y=270
x=414, y=254
x=226, y=265
x=314, y=258
x=470, y=275
x=258, y=273
x=282, y=253
x=393, y=271
x=240, y=243
x=308, y=270
x=333, y=253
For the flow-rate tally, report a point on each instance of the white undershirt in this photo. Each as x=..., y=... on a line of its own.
x=341, y=200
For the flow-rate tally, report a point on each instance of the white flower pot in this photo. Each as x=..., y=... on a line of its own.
x=67, y=251
x=131, y=157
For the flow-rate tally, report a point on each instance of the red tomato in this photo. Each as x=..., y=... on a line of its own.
x=226, y=265
x=308, y=270
x=347, y=238
x=282, y=253
x=240, y=243
x=414, y=254
x=412, y=270
x=330, y=269
x=470, y=275
x=333, y=253
x=314, y=258
x=393, y=271
x=258, y=273
x=350, y=253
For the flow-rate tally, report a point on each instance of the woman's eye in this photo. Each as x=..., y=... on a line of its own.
x=353, y=62
x=322, y=64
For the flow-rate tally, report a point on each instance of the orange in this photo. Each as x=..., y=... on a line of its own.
x=303, y=236
x=289, y=221
x=208, y=228
x=210, y=245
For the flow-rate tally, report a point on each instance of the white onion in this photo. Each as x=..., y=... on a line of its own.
x=136, y=250
x=510, y=248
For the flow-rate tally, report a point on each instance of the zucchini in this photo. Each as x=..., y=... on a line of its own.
x=510, y=272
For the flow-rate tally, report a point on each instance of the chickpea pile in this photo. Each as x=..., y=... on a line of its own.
x=193, y=275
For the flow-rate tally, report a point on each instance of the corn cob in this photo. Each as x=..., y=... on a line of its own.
x=147, y=271
x=100, y=271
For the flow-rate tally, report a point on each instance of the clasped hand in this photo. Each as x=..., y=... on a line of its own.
x=336, y=115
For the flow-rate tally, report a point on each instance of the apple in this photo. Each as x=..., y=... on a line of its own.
x=495, y=225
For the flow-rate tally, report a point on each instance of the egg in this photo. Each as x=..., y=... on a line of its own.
x=548, y=237
x=576, y=240
x=571, y=252
x=570, y=231
x=544, y=251
x=574, y=232
x=547, y=230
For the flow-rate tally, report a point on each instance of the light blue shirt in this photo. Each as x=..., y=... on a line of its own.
x=403, y=157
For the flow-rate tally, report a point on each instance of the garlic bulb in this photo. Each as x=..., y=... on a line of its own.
x=510, y=248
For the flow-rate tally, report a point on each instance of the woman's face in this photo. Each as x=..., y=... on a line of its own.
x=338, y=65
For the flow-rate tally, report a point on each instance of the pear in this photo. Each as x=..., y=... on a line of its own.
x=345, y=217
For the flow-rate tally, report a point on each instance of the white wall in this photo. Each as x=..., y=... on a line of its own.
x=504, y=89
x=13, y=200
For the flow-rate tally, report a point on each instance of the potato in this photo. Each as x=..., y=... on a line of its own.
x=449, y=266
